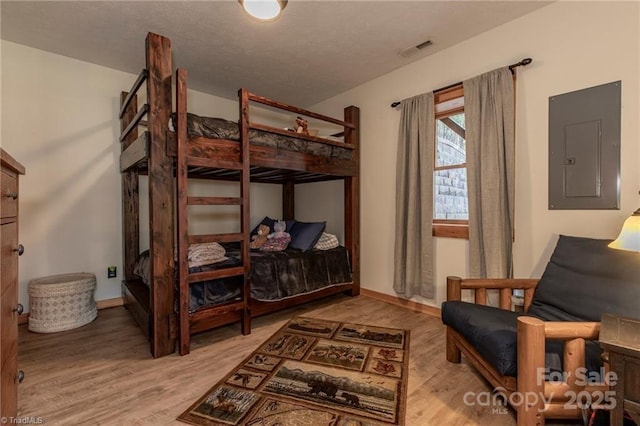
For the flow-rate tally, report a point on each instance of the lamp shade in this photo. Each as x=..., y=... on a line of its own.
x=629, y=238
x=264, y=10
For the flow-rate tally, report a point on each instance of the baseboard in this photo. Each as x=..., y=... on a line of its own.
x=409, y=304
x=100, y=304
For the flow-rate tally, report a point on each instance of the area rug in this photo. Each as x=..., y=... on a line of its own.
x=314, y=372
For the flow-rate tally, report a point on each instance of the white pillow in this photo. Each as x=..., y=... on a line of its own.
x=327, y=242
x=205, y=253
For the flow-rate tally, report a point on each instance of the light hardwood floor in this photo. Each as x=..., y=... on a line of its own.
x=102, y=373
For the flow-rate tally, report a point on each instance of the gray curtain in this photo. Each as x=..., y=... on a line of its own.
x=489, y=107
x=413, y=257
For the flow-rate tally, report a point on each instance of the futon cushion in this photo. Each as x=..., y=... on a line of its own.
x=493, y=334
x=584, y=279
x=304, y=235
x=491, y=331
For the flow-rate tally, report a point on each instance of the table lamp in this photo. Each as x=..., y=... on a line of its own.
x=629, y=238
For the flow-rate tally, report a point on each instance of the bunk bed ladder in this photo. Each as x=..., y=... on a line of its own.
x=236, y=309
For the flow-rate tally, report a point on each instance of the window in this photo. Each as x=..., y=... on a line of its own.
x=450, y=201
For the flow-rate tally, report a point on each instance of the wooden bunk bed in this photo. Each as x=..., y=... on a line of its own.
x=170, y=158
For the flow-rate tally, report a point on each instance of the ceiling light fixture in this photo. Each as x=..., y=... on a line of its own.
x=264, y=10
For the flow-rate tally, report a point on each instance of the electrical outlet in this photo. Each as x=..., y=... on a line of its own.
x=112, y=271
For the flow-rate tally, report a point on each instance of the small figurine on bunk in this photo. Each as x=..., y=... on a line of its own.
x=301, y=126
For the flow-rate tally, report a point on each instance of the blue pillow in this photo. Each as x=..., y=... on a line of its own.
x=270, y=222
x=305, y=235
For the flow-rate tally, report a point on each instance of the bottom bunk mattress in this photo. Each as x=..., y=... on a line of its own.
x=282, y=274
x=274, y=275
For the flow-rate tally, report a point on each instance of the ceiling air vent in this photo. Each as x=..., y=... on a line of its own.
x=410, y=51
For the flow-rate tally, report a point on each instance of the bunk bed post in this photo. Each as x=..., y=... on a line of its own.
x=161, y=200
x=130, y=196
x=288, y=200
x=182, y=223
x=243, y=126
x=352, y=198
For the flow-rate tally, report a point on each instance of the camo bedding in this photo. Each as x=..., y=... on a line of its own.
x=219, y=128
x=274, y=275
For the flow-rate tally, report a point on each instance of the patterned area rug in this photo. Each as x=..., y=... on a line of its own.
x=314, y=372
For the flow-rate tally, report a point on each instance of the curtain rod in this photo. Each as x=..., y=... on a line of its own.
x=512, y=67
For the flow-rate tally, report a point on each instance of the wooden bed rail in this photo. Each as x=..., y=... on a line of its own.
x=135, y=122
x=134, y=90
x=279, y=105
x=252, y=97
x=283, y=132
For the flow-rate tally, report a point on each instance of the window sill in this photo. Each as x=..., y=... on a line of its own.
x=451, y=231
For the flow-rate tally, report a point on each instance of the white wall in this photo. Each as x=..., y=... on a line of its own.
x=574, y=45
x=59, y=119
x=322, y=202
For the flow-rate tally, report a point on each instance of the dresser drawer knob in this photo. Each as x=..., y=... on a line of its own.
x=12, y=195
x=20, y=376
x=19, y=249
x=19, y=309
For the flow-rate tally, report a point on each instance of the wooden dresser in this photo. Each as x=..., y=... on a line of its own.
x=9, y=306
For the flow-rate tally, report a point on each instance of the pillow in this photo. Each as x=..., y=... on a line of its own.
x=200, y=254
x=327, y=242
x=205, y=253
x=270, y=222
x=304, y=235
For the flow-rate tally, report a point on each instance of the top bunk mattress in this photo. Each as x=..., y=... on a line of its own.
x=219, y=128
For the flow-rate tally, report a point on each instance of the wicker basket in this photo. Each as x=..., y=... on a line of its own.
x=61, y=302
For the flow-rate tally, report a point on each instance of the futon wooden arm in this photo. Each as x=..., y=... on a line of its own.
x=455, y=285
x=532, y=334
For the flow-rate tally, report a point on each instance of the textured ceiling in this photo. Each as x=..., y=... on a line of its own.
x=316, y=50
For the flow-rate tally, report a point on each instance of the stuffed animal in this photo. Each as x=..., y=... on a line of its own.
x=278, y=240
x=301, y=126
x=278, y=229
x=260, y=237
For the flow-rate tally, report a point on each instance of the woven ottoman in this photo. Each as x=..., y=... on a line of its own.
x=61, y=302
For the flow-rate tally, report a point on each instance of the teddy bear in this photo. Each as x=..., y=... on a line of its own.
x=260, y=237
x=301, y=126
